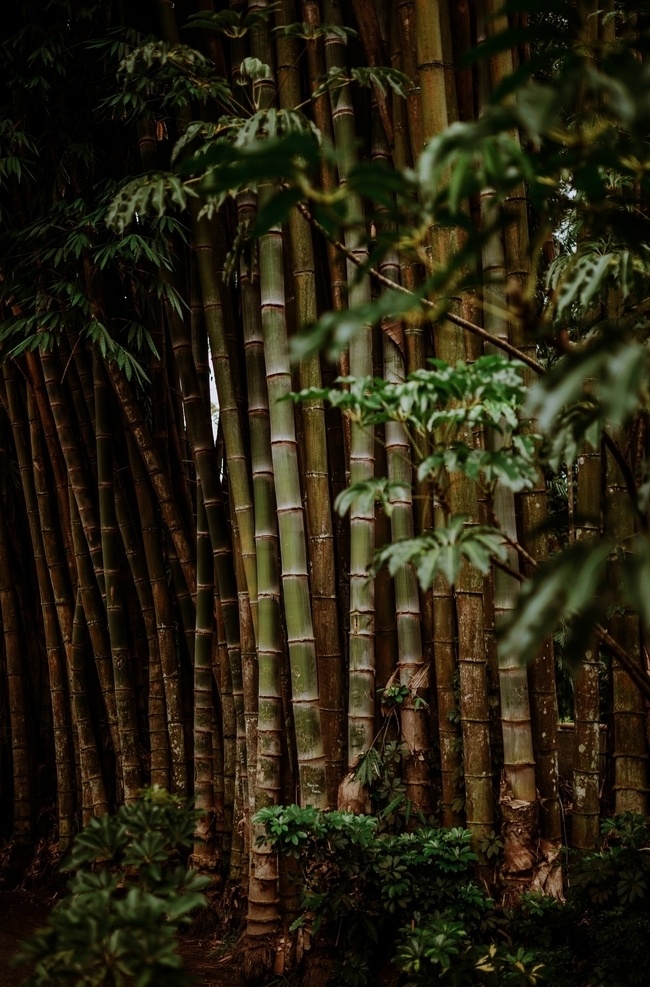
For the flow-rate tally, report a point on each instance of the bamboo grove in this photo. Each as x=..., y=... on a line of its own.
x=181, y=603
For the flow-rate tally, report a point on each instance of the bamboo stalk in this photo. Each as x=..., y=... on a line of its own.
x=128, y=762
x=51, y=526
x=532, y=511
x=56, y=665
x=290, y=514
x=159, y=755
x=21, y=754
x=361, y=689
x=157, y=476
x=165, y=622
x=263, y=899
x=585, y=829
x=519, y=760
x=630, y=744
x=204, y=850
x=316, y=470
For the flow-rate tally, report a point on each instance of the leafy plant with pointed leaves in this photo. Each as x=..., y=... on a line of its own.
x=129, y=894
x=363, y=885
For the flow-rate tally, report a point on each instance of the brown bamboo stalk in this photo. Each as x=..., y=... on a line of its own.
x=630, y=744
x=165, y=621
x=204, y=849
x=157, y=476
x=19, y=718
x=159, y=755
x=95, y=801
x=56, y=663
x=123, y=673
x=585, y=829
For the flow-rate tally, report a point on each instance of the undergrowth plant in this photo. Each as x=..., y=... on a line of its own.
x=600, y=934
x=129, y=894
x=415, y=900
x=411, y=898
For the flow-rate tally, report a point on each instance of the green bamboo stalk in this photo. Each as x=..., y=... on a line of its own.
x=295, y=582
x=532, y=503
x=316, y=469
x=361, y=721
x=204, y=849
x=263, y=916
x=412, y=671
x=291, y=521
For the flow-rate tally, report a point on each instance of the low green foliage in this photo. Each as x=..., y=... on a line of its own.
x=410, y=898
x=414, y=899
x=600, y=935
x=129, y=894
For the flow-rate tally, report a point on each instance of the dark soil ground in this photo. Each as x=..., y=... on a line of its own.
x=21, y=913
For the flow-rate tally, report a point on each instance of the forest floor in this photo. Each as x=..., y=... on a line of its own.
x=22, y=912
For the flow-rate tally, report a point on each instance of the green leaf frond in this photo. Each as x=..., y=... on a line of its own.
x=609, y=373
x=154, y=193
x=360, y=497
x=444, y=550
x=231, y=23
x=570, y=586
x=310, y=32
x=383, y=78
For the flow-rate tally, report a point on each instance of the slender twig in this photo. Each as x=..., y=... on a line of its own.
x=380, y=278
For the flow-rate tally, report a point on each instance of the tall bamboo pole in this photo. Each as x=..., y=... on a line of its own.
x=585, y=830
x=519, y=760
x=204, y=850
x=129, y=763
x=630, y=744
x=50, y=526
x=291, y=521
x=361, y=691
x=263, y=916
x=165, y=622
x=19, y=718
x=159, y=755
x=316, y=470
x=433, y=105
x=56, y=662
x=532, y=503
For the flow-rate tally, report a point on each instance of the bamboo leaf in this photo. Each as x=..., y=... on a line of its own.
x=562, y=588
